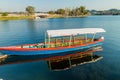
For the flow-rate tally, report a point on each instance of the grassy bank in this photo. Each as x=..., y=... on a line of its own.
x=62, y=16
x=16, y=18
x=31, y=17
x=55, y=16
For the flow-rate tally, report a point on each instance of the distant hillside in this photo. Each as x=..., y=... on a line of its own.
x=105, y=12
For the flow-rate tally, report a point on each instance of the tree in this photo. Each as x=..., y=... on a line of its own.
x=30, y=10
x=60, y=11
x=83, y=10
x=67, y=11
x=72, y=12
x=51, y=12
x=77, y=12
x=4, y=14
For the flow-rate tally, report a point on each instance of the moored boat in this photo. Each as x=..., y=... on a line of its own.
x=59, y=41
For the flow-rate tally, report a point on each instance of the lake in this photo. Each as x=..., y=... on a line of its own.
x=16, y=32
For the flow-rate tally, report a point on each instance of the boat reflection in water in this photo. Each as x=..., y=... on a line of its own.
x=56, y=62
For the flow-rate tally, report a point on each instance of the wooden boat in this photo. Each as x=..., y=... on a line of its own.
x=59, y=41
x=5, y=59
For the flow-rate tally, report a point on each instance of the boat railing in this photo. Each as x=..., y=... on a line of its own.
x=60, y=43
x=66, y=42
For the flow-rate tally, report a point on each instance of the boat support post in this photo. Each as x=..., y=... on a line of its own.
x=93, y=37
x=49, y=41
x=86, y=37
x=45, y=39
x=70, y=41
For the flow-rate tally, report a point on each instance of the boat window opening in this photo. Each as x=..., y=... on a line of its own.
x=93, y=37
x=66, y=41
x=90, y=38
x=98, y=36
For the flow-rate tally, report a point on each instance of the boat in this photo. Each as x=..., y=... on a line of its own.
x=52, y=60
x=59, y=41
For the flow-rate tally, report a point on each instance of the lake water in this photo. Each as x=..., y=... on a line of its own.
x=15, y=32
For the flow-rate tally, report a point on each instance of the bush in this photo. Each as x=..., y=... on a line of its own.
x=4, y=14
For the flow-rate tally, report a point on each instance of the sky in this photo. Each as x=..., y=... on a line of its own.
x=47, y=5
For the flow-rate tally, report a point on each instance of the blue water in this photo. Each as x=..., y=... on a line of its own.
x=15, y=32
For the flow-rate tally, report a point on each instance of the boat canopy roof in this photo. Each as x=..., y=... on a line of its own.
x=68, y=32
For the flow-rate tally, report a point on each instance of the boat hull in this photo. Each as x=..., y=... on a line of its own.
x=55, y=51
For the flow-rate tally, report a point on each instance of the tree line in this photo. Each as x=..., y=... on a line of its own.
x=80, y=11
x=30, y=10
x=105, y=12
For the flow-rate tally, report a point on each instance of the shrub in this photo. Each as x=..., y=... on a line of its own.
x=4, y=14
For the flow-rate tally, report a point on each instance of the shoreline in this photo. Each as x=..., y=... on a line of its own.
x=4, y=18
x=15, y=18
x=63, y=16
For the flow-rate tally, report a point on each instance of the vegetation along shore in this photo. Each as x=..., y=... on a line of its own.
x=30, y=13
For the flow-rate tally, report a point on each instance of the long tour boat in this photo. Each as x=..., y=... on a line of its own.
x=60, y=41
